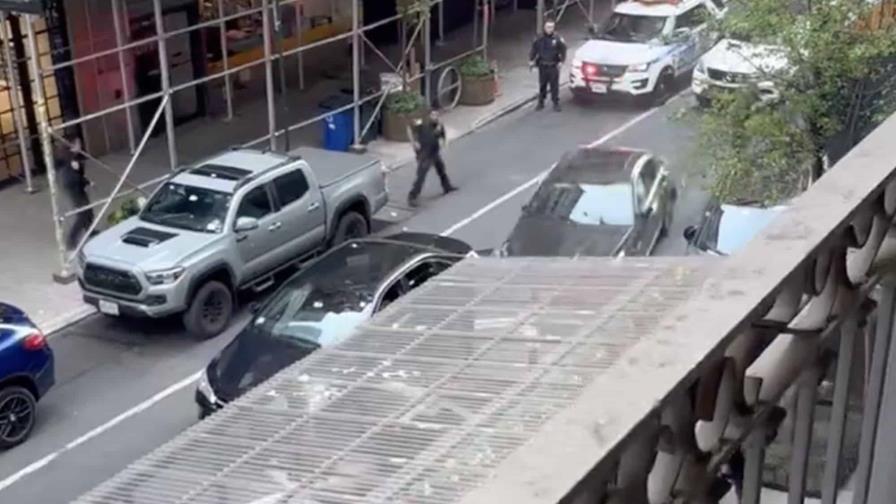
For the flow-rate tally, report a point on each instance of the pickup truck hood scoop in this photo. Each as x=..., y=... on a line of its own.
x=145, y=237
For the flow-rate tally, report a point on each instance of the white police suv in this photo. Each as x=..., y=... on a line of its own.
x=733, y=64
x=643, y=47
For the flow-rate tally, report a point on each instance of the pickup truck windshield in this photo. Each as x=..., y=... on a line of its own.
x=589, y=204
x=631, y=28
x=187, y=207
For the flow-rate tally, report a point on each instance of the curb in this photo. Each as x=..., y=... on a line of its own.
x=53, y=327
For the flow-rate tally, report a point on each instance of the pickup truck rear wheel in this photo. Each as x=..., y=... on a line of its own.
x=210, y=311
x=351, y=225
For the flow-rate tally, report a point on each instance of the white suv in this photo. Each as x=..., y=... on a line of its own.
x=732, y=64
x=643, y=47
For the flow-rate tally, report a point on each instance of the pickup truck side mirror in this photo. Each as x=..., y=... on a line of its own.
x=254, y=307
x=690, y=233
x=592, y=30
x=245, y=224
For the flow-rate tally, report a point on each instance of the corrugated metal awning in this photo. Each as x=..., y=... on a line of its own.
x=424, y=402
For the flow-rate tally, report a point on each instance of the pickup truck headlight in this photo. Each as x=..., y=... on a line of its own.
x=638, y=68
x=162, y=277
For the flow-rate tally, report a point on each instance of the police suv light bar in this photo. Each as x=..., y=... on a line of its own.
x=658, y=2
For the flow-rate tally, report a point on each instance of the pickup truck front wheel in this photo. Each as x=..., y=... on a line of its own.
x=350, y=226
x=210, y=311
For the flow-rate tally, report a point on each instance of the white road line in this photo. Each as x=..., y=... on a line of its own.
x=498, y=202
x=39, y=464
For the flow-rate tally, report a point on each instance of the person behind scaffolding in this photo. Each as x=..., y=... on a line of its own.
x=548, y=53
x=428, y=136
x=74, y=182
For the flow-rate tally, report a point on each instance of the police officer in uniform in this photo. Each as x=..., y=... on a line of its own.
x=548, y=53
x=427, y=135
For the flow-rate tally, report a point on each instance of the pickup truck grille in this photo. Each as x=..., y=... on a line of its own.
x=112, y=280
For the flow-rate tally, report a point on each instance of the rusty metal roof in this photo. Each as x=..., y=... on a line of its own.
x=423, y=403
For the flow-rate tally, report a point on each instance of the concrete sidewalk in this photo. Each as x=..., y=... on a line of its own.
x=26, y=220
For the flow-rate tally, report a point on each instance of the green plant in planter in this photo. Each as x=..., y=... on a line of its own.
x=405, y=102
x=475, y=66
x=128, y=209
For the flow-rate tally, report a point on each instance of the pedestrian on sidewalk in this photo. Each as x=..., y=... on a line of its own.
x=548, y=53
x=428, y=137
x=74, y=182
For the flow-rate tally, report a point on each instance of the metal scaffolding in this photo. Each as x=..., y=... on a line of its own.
x=351, y=28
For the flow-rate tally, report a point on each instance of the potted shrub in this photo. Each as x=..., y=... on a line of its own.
x=477, y=81
x=399, y=111
x=128, y=209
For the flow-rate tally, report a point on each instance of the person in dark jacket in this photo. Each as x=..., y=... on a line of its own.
x=74, y=183
x=548, y=53
x=427, y=136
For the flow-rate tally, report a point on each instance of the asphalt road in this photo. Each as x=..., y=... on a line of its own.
x=125, y=388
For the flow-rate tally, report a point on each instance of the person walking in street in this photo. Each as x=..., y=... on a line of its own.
x=75, y=183
x=548, y=53
x=428, y=136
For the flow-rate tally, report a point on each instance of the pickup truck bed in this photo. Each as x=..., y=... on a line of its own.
x=331, y=167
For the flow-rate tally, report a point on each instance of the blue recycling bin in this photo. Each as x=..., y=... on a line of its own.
x=338, y=128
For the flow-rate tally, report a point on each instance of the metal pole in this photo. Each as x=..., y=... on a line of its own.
x=13, y=82
x=804, y=418
x=269, y=73
x=116, y=22
x=873, y=396
x=441, y=22
x=64, y=275
x=284, y=103
x=486, y=19
x=539, y=15
x=427, y=58
x=754, y=459
x=881, y=483
x=591, y=11
x=300, y=15
x=166, y=82
x=356, y=73
x=228, y=86
x=845, y=358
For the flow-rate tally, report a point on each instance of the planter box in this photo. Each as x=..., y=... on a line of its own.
x=477, y=90
x=395, y=125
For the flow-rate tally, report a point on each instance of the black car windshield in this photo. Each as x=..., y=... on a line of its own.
x=632, y=28
x=187, y=207
x=589, y=204
x=326, y=302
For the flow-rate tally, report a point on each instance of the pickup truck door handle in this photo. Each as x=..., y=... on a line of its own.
x=314, y=206
x=275, y=226
x=241, y=237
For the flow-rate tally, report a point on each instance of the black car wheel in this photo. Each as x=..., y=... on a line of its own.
x=663, y=88
x=351, y=225
x=210, y=311
x=17, y=411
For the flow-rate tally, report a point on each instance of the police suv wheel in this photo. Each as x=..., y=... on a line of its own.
x=662, y=88
x=210, y=311
x=350, y=226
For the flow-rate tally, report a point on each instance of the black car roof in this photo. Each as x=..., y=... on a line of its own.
x=595, y=165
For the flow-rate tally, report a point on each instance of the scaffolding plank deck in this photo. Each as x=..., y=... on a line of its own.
x=424, y=402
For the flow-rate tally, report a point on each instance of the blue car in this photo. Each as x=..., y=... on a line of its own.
x=26, y=374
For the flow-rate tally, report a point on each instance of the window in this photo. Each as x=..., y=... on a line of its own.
x=187, y=207
x=256, y=204
x=649, y=173
x=719, y=4
x=290, y=187
x=694, y=18
x=420, y=274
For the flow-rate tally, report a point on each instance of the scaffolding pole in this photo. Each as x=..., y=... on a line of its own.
x=12, y=83
x=228, y=86
x=427, y=58
x=64, y=275
x=539, y=15
x=281, y=69
x=356, y=74
x=116, y=23
x=269, y=73
x=166, y=82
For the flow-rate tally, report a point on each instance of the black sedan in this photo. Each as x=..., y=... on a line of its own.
x=322, y=305
x=597, y=202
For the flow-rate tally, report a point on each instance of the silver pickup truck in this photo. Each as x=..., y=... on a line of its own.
x=226, y=224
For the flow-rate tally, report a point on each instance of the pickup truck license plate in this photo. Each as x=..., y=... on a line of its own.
x=109, y=308
x=599, y=88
